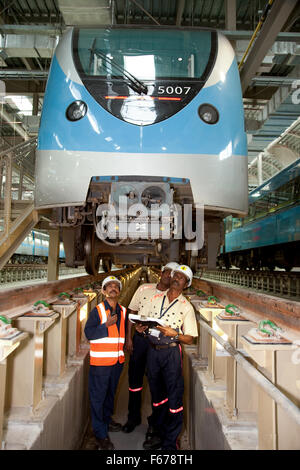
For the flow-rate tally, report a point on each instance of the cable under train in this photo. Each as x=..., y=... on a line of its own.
x=142, y=140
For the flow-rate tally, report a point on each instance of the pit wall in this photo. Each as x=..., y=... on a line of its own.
x=207, y=422
x=61, y=418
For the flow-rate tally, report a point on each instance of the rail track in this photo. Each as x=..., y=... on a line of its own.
x=279, y=283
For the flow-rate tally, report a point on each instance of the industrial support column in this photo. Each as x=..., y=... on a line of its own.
x=53, y=255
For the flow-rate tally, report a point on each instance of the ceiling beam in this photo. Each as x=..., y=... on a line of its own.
x=24, y=87
x=230, y=14
x=273, y=24
x=22, y=74
x=145, y=11
x=180, y=9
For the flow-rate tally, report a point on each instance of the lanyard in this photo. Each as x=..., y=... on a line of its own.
x=162, y=306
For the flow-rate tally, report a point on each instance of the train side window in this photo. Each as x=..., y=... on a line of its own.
x=236, y=223
x=228, y=224
x=261, y=207
x=251, y=214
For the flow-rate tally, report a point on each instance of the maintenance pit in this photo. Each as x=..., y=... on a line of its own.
x=228, y=403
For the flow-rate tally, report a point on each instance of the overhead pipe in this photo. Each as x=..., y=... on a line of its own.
x=281, y=399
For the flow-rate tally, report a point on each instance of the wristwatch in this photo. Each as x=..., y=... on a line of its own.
x=176, y=337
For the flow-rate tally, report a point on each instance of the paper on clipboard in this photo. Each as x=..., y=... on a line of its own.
x=146, y=321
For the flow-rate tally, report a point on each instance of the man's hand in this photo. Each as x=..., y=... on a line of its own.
x=129, y=345
x=140, y=328
x=167, y=330
x=111, y=320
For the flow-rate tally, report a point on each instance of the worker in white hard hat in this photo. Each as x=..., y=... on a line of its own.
x=138, y=345
x=107, y=319
x=186, y=271
x=112, y=279
x=164, y=362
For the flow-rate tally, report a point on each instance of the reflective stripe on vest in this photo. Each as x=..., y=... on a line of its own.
x=109, y=350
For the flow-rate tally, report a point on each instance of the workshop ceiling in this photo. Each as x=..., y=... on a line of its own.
x=270, y=73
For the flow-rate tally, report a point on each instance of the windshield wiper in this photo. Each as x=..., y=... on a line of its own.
x=135, y=83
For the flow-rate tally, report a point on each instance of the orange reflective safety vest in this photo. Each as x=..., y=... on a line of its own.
x=108, y=351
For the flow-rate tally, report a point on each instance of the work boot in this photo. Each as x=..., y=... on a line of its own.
x=114, y=426
x=130, y=426
x=105, y=444
x=150, y=432
x=153, y=443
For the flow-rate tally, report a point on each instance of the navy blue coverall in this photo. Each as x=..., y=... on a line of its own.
x=103, y=380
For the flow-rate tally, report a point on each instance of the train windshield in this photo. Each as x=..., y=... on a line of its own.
x=145, y=54
x=143, y=76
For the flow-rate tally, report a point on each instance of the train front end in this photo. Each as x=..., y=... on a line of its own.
x=142, y=148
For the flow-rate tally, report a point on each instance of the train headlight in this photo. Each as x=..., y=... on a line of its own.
x=76, y=110
x=208, y=113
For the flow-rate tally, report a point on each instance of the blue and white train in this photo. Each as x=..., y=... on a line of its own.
x=154, y=116
x=34, y=249
x=269, y=236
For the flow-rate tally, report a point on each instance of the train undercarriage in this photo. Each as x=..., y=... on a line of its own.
x=283, y=256
x=138, y=223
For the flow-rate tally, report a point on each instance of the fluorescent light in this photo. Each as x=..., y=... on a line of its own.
x=22, y=102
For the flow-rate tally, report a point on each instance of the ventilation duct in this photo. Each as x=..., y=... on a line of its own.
x=26, y=45
x=86, y=12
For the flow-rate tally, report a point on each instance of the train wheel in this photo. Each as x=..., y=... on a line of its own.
x=91, y=259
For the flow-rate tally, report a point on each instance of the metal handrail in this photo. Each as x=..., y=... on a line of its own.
x=18, y=146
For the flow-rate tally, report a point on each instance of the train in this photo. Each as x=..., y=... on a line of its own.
x=269, y=236
x=142, y=149
x=34, y=249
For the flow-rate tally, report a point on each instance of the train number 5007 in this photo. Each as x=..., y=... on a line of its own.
x=170, y=90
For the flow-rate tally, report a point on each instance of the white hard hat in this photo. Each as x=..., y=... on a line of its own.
x=186, y=270
x=172, y=265
x=111, y=279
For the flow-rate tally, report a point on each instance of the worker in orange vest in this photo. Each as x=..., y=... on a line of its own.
x=105, y=330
